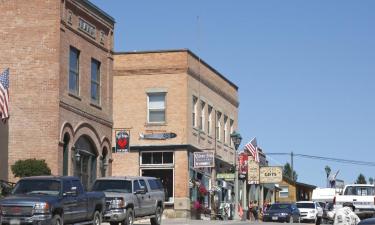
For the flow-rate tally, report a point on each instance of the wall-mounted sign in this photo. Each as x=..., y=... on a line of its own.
x=157, y=136
x=203, y=159
x=225, y=176
x=122, y=141
x=271, y=174
x=253, y=172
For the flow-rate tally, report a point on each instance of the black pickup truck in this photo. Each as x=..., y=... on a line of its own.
x=50, y=200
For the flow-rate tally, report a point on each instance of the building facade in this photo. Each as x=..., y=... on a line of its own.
x=291, y=191
x=60, y=56
x=172, y=104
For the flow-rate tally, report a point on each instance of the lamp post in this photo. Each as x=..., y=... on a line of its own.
x=236, y=138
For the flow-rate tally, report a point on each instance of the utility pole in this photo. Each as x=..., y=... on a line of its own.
x=291, y=165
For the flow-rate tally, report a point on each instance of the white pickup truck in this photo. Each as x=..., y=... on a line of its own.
x=361, y=195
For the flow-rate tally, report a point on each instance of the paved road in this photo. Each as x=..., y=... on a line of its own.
x=208, y=222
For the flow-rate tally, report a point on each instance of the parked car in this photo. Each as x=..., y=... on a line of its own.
x=282, y=212
x=310, y=211
x=50, y=200
x=130, y=198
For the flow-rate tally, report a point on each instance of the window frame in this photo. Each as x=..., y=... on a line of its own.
x=209, y=120
x=218, y=125
x=194, y=109
x=74, y=71
x=225, y=129
x=156, y=109
x=202, y=115
x=96, y=82
x=284, y=192
x=152, y=161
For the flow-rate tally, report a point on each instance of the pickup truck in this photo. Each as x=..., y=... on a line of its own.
x=51, y=200
x=129, y=198
x=361, y=195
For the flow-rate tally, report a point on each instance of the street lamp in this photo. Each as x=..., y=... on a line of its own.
x=236, y=138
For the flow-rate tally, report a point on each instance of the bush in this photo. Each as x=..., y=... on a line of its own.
x=30, y=167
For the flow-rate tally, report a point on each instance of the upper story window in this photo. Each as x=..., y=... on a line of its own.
x=209, y=121
x=218, y=126
x=231, y=131
x=284, y=193
x=202, y=117
x=156, y=158
x=69, y=17
x=102, y=37
x=225, y=129
x=195, y=102
x=87, y=28
x=156, y=107
x=74, y=71
x=95, y=81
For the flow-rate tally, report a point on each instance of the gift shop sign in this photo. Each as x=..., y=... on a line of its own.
x=253, y=172
x=271, y=174
x=203, y=159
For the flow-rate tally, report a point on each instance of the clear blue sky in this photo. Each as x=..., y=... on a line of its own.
x=305, y=69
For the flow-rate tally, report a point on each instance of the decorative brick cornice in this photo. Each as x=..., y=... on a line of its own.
x=86, y=114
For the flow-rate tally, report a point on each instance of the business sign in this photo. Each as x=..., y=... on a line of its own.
x=122, y=141
x=203, y=159
x=271, y=174
x=157, y=136
x=242, y=169
x=253, y=172
x=225, y=176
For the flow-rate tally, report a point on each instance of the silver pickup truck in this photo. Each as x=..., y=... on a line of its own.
x=129, y=198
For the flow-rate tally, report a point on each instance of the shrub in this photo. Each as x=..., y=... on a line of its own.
x=30, y=167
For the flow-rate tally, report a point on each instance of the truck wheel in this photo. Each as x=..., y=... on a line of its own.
x=157, y=219
x=56, y=220
x=129, y=219
x=97, y=219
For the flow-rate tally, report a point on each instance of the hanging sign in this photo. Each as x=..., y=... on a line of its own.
x=122, y=141
x=157, y=136
x=203, y=159
x=243, y=161
x=271, y=174
x=253, y=172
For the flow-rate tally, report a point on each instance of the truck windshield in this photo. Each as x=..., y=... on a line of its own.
x=123, y=186
x=305, y=205
x=361, y=191
x=37, y=187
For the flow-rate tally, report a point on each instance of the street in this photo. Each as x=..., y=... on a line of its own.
x=200, y=222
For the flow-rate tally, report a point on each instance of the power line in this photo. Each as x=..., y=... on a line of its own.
x=345, y=161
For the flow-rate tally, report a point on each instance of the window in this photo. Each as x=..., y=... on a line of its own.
x=95, y=81
x=218, y=126
x=203, y=112
x=136, y=186
x=195, y=100
x=155, y=184
x=102, y=37
x=156, y=107
x=143, y=184
x=209, y=121
x=156, y=158
x=284, y=193
x=69, y=17
x=74, y=71
x=225, y=129
x=86, y=27
x=231, y=131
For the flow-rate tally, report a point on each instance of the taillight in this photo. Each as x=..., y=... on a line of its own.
x=334, y=200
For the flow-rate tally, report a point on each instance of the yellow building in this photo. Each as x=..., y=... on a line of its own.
x=291, y=191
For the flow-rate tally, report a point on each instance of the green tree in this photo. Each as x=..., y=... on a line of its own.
x=287, y=172
x=30, y=167
x=361, y=179
x=371, y=180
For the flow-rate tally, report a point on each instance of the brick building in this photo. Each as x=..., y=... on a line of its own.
x=171, y=104
x=60, y=59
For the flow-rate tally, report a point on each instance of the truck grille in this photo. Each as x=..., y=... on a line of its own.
x=303, y=213
x=17, y=211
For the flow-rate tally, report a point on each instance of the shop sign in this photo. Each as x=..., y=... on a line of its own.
x=225, y=176
x=271, y=174
x=157, y=136
x=122, y=141
x=253, y=172
x=203, y=159
x=243, y=161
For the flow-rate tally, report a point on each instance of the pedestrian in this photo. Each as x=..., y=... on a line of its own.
x=251, y=216
x=255, y=210
x=346, y=215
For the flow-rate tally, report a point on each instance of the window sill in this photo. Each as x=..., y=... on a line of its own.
x=96, y=106
x=156, y=124
x=74, y=96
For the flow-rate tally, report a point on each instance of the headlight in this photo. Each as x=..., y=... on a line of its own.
x=41, y=208
x=283, y=214
x=117, y=203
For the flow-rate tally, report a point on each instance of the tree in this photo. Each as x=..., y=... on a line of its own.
x=371, y=180
x=30, y=167
x=361, y=179
x=287, y=172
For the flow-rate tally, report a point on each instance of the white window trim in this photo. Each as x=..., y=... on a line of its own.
x=164, y=109
x=158, y=165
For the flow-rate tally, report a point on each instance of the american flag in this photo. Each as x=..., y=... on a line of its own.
x=252, y=146
x=4, y=95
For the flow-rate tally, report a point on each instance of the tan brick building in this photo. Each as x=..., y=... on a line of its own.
x=162, y=92
x=60, y=59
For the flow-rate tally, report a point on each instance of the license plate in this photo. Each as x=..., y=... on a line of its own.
x=14, y=222
x=275, y=218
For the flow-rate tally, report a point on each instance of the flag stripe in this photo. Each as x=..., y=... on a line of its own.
x=253, y=150
x=4, y=95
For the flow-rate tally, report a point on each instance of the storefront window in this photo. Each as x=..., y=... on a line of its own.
x=156, y=158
